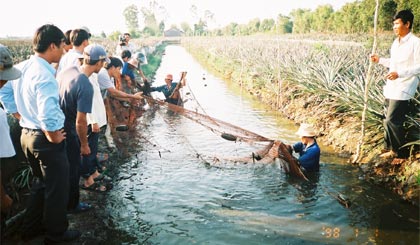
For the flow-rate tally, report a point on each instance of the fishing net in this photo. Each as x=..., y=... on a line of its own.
x=275, y=150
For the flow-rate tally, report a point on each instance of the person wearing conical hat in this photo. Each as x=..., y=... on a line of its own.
x=128, y=71
x=42, y=122
x=308, y=149
x=7, y=72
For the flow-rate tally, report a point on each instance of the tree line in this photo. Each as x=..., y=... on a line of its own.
x=353, y=17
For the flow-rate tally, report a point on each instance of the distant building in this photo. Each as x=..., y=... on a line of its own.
x=173, y=32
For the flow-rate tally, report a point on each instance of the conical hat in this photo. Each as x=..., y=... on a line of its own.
x=134, y=62
x=306, y=130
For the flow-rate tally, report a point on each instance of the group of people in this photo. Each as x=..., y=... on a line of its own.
x=57, y=99
x=56, y=95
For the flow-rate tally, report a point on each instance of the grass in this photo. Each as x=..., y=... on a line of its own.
x=331, y=75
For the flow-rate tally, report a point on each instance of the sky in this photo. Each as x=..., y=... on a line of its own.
x=20, y=18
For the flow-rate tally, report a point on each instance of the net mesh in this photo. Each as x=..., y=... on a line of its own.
x=274, y=150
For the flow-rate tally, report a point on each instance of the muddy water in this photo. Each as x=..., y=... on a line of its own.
x=172, y=192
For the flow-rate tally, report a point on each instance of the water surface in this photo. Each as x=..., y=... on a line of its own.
x=170, y=192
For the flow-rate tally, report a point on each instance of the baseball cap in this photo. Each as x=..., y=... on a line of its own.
x=7, y=71
x=96, y=52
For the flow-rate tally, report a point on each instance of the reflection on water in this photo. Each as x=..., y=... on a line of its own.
x=167, y=194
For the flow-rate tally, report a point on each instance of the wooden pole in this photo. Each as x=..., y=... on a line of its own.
x=359, y=153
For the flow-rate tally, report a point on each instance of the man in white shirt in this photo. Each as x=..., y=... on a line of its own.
x=79, y=38
x=124, y=44
x=402, y=82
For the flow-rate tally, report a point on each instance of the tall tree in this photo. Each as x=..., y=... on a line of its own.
x=284, y=24
x=350, y=17
x=200, y=28
x=161, y=27
x=387, y=11
x=186, y=28
x=254, y=25
x=131, y=18
x=150, y=22
x=301, y=20
x=267, y=25
x=322, y=18
x=414, y=5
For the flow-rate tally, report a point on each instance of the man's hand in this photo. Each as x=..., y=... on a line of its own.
x=374, y=58
x=138, y=95
x=84, y=150
x=392, y=75
x=16, y=115
x=55, y=137
x=95, y=128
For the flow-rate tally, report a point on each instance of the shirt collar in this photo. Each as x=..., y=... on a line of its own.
x=406, y=37
x=45, y=64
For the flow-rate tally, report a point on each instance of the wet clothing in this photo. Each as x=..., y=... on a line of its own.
x=76, y=95
x=405, y=60
x=167, y=92
x=308, y=155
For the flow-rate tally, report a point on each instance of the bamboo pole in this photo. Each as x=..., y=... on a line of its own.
x=359, y=153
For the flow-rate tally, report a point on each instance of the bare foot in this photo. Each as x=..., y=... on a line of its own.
x=89, y=181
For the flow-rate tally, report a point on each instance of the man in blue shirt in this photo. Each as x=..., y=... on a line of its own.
x=76, y=95
x=308, y=149
x=34, y=99
x=171, y=89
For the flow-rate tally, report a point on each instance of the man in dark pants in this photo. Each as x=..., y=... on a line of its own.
x=402, y=82
x=34, y=99
x=76, y=94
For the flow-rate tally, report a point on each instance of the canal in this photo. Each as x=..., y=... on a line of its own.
x=172, y=192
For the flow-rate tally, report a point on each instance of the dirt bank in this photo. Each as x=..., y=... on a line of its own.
x=342, y=132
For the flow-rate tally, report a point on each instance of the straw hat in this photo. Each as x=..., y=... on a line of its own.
x=134, y=62
x=306, y=130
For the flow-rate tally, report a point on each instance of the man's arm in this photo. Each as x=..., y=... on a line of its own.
x=55, y=137
x=7, y=98
x=81, y=129
x=123, y=95
x=383, y=61
x=142, y=75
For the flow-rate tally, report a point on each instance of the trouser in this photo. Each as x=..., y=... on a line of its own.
x=395, y=116
x=49, y=192
x=75, y=160
x=89, y=163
